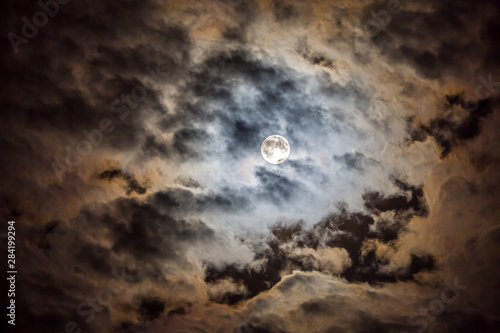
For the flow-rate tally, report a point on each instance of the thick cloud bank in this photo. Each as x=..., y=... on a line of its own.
x=131, y=164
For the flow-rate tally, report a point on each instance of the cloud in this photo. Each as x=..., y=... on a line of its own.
x=390, y=191
x=355, y=161
x=132, y=184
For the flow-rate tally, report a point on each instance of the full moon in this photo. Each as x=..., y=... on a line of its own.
x=275, y=149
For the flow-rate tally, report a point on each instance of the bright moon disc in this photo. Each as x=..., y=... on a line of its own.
x=275, y=149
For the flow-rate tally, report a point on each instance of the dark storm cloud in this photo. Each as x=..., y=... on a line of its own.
x=94, y=257
x=245, y=135
x=220, y=106
x=283, y=11
x=139, y=234
x=132, y=183
x=490, y=34
x=181, y=200
x=153, y=147
x=47, y=230
x=314, y=58
x=461, y=122
x=345, y=230
x=414, y=202
x=151, y=308
x=148, y=232
x=234, y=34
x=350, y=231
x=371, y=324
x=434, y=41
x=278, y=95
x=356, y=161
x=76, y=72
x=113, y=70
x=243, y=13
x=187, y=141
x=276, y=188
x=365, y=324
x=255, y=281
x=306, y=167
x=188, y=182
x=57, y=297
x=460, y=321
x=220, y=67
x=349, y=93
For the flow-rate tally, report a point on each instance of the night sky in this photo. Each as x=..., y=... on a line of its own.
x=130, y=140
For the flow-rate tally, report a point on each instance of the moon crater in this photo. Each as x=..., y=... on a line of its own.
x=275, y=149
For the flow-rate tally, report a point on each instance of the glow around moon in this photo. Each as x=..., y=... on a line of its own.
x=275, y=149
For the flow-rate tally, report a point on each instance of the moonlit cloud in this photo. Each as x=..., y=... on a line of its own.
x=131, y=162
